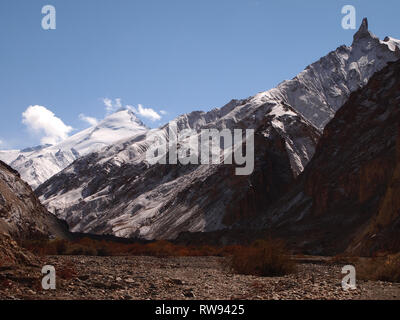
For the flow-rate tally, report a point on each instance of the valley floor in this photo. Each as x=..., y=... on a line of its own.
x=83, y=277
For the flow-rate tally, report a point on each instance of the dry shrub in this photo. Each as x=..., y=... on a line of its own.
x=384, y=269
x=67, y=272
x=79, y=250
x=46, y=247
x=343, y=259
x=90, y=247
x=38, y=247
x=6, y=284
x=160, y=249
x=264, y=258
x=183, y=252
x=207, y=251
x=231, y=250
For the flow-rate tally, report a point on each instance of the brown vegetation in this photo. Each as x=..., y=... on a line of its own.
x=384, y=269
x=90, y=247
x=263, y=258
x=67, y=272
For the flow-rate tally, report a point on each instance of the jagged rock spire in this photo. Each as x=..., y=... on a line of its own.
x=364, y=25
x=363, y=32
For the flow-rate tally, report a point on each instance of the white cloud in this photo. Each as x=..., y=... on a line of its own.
x=92, y=121
x=107, y=102
x=43, y=122
x=147, y=113
x=118, y=103
x=112, y=106
x=163, y=112
x=1, y=142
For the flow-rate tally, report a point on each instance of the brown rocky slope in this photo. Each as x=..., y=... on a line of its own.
x=347, y=199
x=22, y=216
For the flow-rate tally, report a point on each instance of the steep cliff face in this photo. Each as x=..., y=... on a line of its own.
x=382, y=232
x=21, y=214
x=346, y=198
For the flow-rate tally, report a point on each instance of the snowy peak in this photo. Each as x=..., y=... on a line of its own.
x=324, y=86
x=117, y=126
x=37, y=148
x=122, y=116
x=38, y=164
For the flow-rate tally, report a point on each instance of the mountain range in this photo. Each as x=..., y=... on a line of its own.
x=325, y=167
x=38, y=164
x=116, y=191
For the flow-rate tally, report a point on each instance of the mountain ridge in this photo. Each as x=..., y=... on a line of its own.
x=117, y=192
x=39, y=163
x=348, y=202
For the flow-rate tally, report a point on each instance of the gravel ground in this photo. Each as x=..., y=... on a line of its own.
x=200, y=278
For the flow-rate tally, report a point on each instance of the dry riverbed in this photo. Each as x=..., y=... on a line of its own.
x=83, y=277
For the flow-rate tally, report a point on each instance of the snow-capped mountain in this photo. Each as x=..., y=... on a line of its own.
x=324, y=86
x=38, y=164
x=116, y=191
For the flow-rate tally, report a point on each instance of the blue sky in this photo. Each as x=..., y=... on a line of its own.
x=172, y=55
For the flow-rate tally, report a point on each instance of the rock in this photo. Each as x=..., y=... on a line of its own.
x=129, y=280
x=188, y=293
x=22, y=216
x=177, y=282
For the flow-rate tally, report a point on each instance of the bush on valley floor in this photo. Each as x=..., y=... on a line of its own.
x=381, y=268
x=263, y=258
x=92, y=247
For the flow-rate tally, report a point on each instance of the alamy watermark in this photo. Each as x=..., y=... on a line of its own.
x=49, y=280
x=349, y=20
x=208, y=146
x=49, y=20
x=349, y=280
